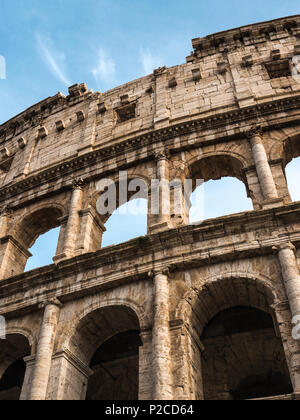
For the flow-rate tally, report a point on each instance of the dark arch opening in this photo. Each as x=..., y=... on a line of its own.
x=237, y=320
x=12, y=381
x=243, y=358
x=107, y=341
x=266, y=385
x=115, y=367
x=12, y=366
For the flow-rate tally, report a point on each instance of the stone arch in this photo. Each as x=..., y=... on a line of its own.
x=94, y=194
x=185, y=307
x=144, y=322
x=230, y=293
x=217, y=164
x=105, y=338
x=28, y=334
x=284, y=151
x=284, y=144
x=290, y=148
x=27, y=228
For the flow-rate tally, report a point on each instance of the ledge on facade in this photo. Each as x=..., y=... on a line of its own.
x=159, y=242
x=225, y=120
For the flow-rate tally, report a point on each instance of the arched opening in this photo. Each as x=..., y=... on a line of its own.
x=292, y=171
x=243, y=358
x=43, y=250
x=291, y=162
x=237, y=347
x=12, y=366
x=224, y=191
x=29, y=234
x=115, y=367
x=219, y=198
x=122, y=207
x=128, y=222
x=107, y=341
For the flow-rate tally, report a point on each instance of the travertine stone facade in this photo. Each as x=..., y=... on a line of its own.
x=190, y=311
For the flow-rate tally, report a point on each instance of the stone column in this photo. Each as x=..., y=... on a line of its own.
x=145, y=368
x=90, y=232
x=30, y=361
x=72, y=227
x=161, y=342
x=290, y=274
x=44, y=351
x=160, y=195
x=263, y=169
x=6, y=211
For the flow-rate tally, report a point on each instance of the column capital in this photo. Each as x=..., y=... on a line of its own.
x=53, y=301
x=255, y=131
x=163, y=271
x=78, y=184
x=161, y=155
x=284, y=245
x=6, y=210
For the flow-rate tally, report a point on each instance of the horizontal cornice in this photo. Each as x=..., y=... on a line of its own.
x=248, y=116
x=190, y=247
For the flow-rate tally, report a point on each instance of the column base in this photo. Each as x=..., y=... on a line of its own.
x=159, y=227
x=61, y=257
x=270, y=204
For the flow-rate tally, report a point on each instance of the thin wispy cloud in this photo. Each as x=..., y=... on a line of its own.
x=149, y=61
x=105, y=70
x=54, y=59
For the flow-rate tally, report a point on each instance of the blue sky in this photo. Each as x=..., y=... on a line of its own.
x=49, y=45
x=104, y=43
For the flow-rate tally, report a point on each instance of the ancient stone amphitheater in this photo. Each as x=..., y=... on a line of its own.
x=192, y=311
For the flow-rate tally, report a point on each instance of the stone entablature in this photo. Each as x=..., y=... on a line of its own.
x=226, y=239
